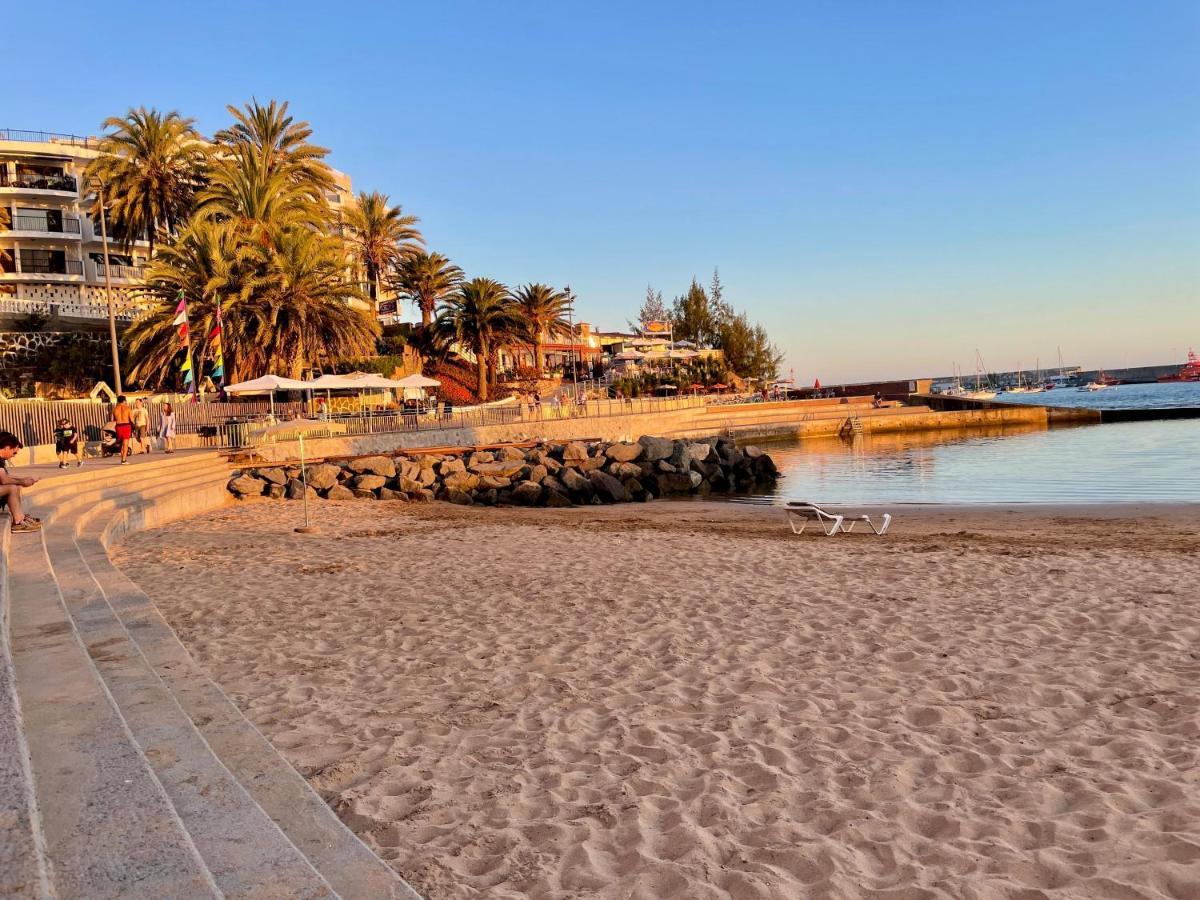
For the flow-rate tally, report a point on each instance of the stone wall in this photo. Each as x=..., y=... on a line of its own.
x=16, y=347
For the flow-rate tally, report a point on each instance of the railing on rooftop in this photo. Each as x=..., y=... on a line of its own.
x=67, y=225
x=38, y=181
x=46, y=137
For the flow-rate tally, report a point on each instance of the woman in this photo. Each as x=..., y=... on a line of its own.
x=166, y=428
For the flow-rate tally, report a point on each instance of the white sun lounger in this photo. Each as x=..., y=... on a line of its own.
x=831, y=522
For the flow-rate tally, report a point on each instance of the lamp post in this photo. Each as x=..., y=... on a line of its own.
x=112, y=319
x=571, y=323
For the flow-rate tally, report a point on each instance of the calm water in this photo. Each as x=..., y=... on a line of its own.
x=1123, y=396
x=1093, y=463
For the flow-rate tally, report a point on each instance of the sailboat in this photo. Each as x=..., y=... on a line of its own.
x=1037, y=386
x=979, y=393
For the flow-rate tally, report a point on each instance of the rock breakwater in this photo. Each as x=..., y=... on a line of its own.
x=562, y=474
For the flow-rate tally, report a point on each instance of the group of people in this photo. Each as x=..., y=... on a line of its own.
x=132, y=423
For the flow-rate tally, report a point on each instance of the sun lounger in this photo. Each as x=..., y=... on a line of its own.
x=831, y=522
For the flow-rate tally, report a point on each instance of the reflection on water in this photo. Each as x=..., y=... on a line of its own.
x=1095, y=463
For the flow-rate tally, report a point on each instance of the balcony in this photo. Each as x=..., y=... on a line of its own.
x=119, y=270
x=41, y=265
x=66, y=225
x=38, y=181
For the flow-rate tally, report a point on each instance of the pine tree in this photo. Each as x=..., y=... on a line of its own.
x=653, y=309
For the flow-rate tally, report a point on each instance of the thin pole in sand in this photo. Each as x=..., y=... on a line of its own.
x=306, y=528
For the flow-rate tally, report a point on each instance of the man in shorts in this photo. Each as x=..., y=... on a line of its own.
x=67, y=443
x=10, y=486
x=122, y=417
x=141, y=426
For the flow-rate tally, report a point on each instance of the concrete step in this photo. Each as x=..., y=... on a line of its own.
x=109, y=828
x=215, y=810
x=348, y=865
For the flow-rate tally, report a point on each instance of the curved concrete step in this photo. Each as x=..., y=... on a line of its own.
x=110, y=830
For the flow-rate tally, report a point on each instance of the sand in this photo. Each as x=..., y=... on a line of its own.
x=685, y=701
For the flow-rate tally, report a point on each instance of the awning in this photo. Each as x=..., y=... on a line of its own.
x=354, y=381
x=268, y=384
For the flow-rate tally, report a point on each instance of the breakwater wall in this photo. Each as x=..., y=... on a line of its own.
x=565, y=474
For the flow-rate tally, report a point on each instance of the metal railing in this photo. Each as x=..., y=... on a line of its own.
x=67, y=225
x=46, y=137
x=50, y=267
x=120, y=270
x=39, y=181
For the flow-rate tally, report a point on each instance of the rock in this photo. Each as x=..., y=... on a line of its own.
x=707, y=470
x=607, y=487
x=673, y=484
x=373, y=465
x=276, y=491
x=730, y=455
x=511, y=454
x=695, y=478
x=718, y=482
x=479, y=457
x=576, y=483
x=664, y=466
x=574, y=452
x=624, y=452
x=488, y=497
x=426, y=496
x=390, y=494
x=537, y=474
x=408, y=485
x=339, y=492
x=322, y=477
x=625, y=470
x=428, y=476
x=295, y=490
x=503, y=469
x=637, y=491
x=494, y=482
x=451, y=467
x=462, y=498
x=654, y=448
x=681, y=457
x=699, y=452
x=291, y=472
x=367, y=482
x=752, y=452
x=557, y=499
x=362, y=494
x=537, y=456
x=527, y=493
x=550, y=483
x=246, y=485
x=274, y=476
x=409, y=469
x=592, y=462
x=461, y=481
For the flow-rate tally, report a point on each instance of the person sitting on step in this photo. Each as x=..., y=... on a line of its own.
x=10, y=486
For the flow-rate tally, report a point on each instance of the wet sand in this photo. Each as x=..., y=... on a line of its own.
x=684, y=700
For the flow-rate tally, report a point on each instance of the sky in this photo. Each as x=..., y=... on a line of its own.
x=887, y=187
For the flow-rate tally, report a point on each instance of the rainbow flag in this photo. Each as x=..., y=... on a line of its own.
x=218, y=354
x=181, y=321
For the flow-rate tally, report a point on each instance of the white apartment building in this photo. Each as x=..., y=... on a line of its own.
x=51, y=256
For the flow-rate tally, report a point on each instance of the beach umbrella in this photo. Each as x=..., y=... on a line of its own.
x=630, y=355
x=268, y=384
x=418, y=381
x=817, y=385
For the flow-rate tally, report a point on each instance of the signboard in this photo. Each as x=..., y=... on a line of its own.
x=656, y=327
x=386, y=307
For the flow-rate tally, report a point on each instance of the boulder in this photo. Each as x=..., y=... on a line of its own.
x=536, y=474
x=624, y=452
x=502, y=469
x=322, y=477
x=537, y=456
x=276, y=491
x=637, y=491
x=409, y=469
x=428, y=476
x=373, y=465
x=494, y=482
x=291, y=472
x=526, y=493
x=730, y=455
x=557, y=499
x=574, y=452
x=766, y=468
x=246, y=485
x=654, y=448
x=699, y=452
x=607, y=487
x=461, y=481
x=511, y=454
x=695, y=478
x=752, y=452
x=295, y=490
x=625, y=470
x=339, y=492
x=274, y=476
x=673, y=484
x=488, y=498
x=362, y=493
x=664, y=466
x=367, y=482
x=391, y=494
x=408, y=485
x=425, y=496
x=451, y=467
x=462, y=498
x=551, y=483
x=576, y=483
x=681, y=457
x=479, y=457
x=591, y=463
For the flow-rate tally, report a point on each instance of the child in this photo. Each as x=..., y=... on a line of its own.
x=67, y=443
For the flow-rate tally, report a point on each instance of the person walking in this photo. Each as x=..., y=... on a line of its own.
x=122, y=417
x=10, y=487
x=141, y=426
x=166, y=428
x=67, y=443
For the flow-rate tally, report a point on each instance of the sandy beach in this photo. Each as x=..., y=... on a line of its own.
x=683, y=700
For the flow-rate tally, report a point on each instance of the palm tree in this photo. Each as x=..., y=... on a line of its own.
x=259, y=200
x=543, y=312
x=480, y=314
x=380, y=235
x=151, y=165
x=282, y=143
x=426, y=279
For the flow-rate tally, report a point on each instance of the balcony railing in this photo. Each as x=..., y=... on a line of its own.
x=38, y=182
x=118, y=270
x=46, y=137
x=50, y=267
x=67, y=225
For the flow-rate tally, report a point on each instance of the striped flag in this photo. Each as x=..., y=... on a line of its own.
x=181, y=320
x=215, y=348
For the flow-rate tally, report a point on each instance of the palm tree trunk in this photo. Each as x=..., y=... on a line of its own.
x=538, y=356
x=483, y=372
x=426, y=314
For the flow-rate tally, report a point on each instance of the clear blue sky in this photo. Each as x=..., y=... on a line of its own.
x=887, y=186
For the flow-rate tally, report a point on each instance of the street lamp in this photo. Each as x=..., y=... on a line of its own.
x=571, y=323
x=112, y=319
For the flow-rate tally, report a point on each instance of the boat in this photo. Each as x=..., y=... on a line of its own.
x=1100, y=382
x=1189, y=371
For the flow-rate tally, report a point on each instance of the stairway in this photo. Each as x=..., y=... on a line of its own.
x=131, y=773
